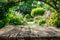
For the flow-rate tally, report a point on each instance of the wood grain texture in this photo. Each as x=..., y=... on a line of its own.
x=30, y=33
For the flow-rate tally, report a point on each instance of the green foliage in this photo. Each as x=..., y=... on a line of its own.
x=42, y=21
x=53, y=3
x=4, y=22
x=16, y=20
x=26, y=7
x=55, y=19
x=4, y=6
x=47, y=7
x=1, y=24
x=37, y=12
x=27, y=17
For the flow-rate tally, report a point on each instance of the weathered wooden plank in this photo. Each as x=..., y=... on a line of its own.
x=27, y=33
x=13, y=35
x=5, y=35
x=31, y=38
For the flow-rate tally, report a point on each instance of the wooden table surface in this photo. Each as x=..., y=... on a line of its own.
x=29, y=33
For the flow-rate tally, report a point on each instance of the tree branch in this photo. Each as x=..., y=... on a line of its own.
x=49, y=4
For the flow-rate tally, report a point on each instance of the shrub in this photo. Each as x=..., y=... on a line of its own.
x=42, y=21
x=27, y=17
x=1, y=24
x=55, y=19
x=37, y=12
x=4, y=22
x=16, y=20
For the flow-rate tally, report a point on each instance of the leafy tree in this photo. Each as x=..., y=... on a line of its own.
x=26, y=8
x=4, y=6
x=53, y=3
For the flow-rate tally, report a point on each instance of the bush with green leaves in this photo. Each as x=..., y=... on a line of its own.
x=42, y=21
x=37, y=12
x=4, y=22
x=55, y=19
x=16, y=20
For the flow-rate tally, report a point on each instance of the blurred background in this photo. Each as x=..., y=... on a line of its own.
x=30, y=12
